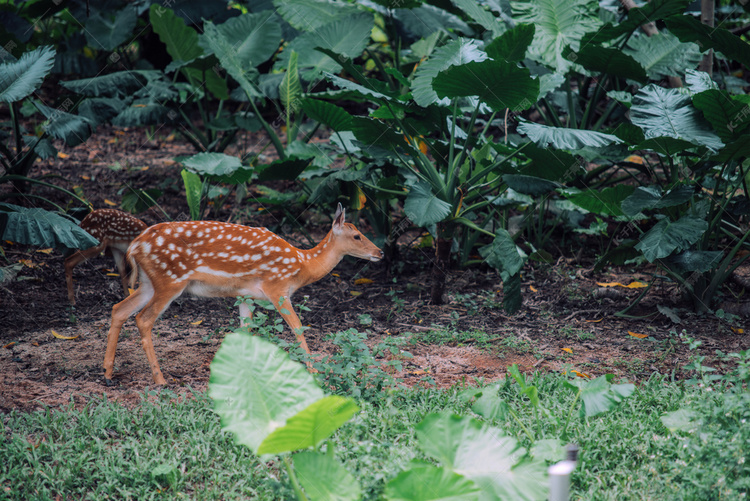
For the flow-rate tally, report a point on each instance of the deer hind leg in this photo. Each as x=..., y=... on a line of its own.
x=145, y=322
x=120, y=313
x=74, y=260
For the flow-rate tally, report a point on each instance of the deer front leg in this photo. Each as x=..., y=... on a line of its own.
x=74, y=260
x=284, y=306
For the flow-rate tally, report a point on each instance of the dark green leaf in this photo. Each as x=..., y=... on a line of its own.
x=650, y=12
x=700, y=261
x=608, y=61
x=604, y=202
x=338, y=119
x=18, y=79
x=423, y=207
x=563, y=138
x=729, y=117
x=499, y=84
x=288, y=169
x=667, y=237
x=689, y=29
x=511, y=46
x=193, y=193
x=324, y=479
x=430, y=483
x=73, y=129
x=530, y=185
x=118, y=84
x=254, y=37
x=455, y=52
x=137, y=200
x=41, y=228
x=651, y=197
x=181, y=40
x=108, y=29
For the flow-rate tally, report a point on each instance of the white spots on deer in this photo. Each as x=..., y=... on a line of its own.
x=256, y=257
x=159, y=241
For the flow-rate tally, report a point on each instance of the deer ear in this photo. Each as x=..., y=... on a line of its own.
x=338, y=218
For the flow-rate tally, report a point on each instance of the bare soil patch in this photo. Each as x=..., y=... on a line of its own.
x=562, y=322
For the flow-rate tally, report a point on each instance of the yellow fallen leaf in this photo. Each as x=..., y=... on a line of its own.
x=62, y=155
x=34, y=343
x=635, y=334
x=355, y=293
x=737, y=330
x=144, y=168
x=113, y=274
x=632, y=285
x=112, y=141
x=130, y=291
x=568, y=350
x=335, y=275
x=580, y=374
x=197, y=322
x=363, y=281
x=119, y=132
x=110, y=202
x=86, y=178
x=9, y=345
x=60, y=336
x=45, y=251
x=9, y=242
x=532, y=288
x=594, y=321
x=417, y=372
x=635, y=159
x=28, y=263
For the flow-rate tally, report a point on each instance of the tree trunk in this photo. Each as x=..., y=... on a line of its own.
x=441, y=265
x=707, y=18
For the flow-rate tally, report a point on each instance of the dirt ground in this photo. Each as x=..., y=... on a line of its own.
x=566, y=319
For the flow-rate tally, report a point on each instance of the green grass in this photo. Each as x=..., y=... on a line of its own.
x=108, y=451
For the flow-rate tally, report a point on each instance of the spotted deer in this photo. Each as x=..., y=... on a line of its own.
x=115, y=230
x=209, y=258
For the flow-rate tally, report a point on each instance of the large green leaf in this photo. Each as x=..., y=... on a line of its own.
x=41, y=228
x=651, y=197
x=73, y=129
x=430, y=483
x=599, y=395
x=730, y=118
x=423, y=207
x=289, y=169
x=689, y=29
x=212, y=164
x=108, y=29
x=310, y=426
x=530, y=185
x=308, y=15
x=700, y=261
x=456, y=52
x=18, y=79
x=483, y=454
x=647, y=13
x=669, y=112
x=375, y=132
x=100, y=109
x=324, y=479
x=503, y=254
x=667, y=237
x=423, y=21
x=142, y=112
x=499, y=84
x=511, y=46
x=558, y=25
x=181, y=40
x=255, y=37
x=347, y=36
x=605, y=202
x=193, y=192
x=663, y=55
x=481, y=16
x=118, y=84
x=563, y=138
x=215, y=42
x=255, y=388
x=551, y=164
x=290, y=88
x=338, y=119
x=605, y=60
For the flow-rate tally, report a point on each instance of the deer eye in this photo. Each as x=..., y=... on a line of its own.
x=357, y=237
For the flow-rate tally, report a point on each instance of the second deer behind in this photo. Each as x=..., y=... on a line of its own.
x=209, y=258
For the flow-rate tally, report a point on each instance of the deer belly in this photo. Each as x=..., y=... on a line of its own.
x=204, y=289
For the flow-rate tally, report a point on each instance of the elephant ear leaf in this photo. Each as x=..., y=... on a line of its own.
x=41, y=228
x=18, y=79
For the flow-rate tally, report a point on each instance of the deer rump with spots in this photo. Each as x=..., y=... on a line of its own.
x=209, y=258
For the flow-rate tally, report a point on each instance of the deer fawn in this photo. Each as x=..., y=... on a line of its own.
x=114, y=230
x=209, y=258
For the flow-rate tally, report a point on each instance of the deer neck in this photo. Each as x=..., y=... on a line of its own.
x=321, y=259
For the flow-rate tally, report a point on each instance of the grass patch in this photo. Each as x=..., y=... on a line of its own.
x=169, y=447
